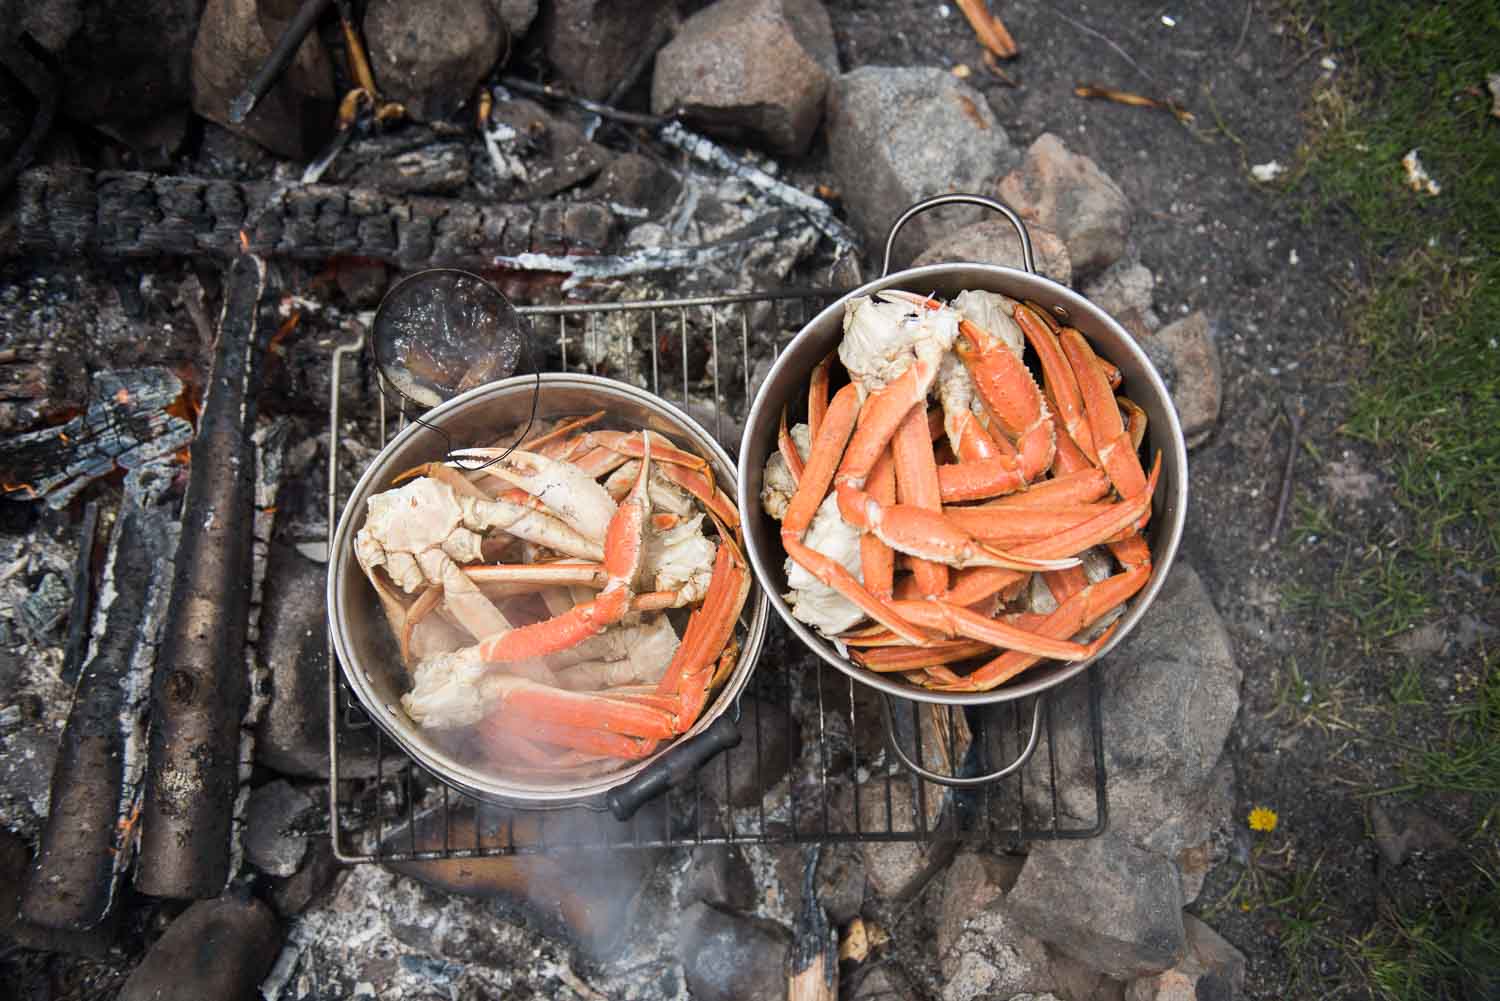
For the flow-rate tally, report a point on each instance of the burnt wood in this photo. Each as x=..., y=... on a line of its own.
x=62, y=212
x=201, y=687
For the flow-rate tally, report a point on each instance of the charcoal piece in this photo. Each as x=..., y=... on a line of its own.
x=126, y=425
x=64, y=211
x=201, y=688
x=86, y=846
x=219, y=949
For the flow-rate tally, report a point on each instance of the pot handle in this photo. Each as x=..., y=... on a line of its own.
x=954, y=781
x=961, y=199
x=675, y=764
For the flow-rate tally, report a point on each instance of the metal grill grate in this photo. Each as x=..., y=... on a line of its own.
x=836, y=787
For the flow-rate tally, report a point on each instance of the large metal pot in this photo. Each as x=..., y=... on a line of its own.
x=362, y=639
x=786, y=386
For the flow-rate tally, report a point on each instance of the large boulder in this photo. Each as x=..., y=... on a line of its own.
x=1067, y=193
x=1212, y=970
x=1187, y=354
x=1104, y=901
x=295, y=118
x=731, y=957
x=899, y=135
x=594, y=44
x=751, y=70
x=431, y=56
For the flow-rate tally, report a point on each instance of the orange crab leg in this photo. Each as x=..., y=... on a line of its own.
x=1062, y=384
x=956, y=621
x=817, y=394
x=688, y=675
x=877, y=560
x=1010, y=395
x=1076, y=614
x=1013, y=526
x=788, y=449
x=917, y=486
x=624, y=549
x=1116, y=452
x=1078, y=487
x=817, y=476
x=888, y=659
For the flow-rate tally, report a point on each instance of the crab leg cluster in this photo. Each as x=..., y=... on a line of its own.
x=561, y=657
x=936, y=524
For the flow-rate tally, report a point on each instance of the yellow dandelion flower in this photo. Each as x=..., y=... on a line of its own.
x=1263, y=819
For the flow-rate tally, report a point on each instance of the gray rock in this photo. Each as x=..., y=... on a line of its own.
x=293, y=894
x=769, y=742
x=593, y=44
x=1187, y=355
x=750, y=70
x=840, y=881
x=1171, y=692
x=885, y=161
x=1212, y=970
x=973, y=882
x=1201, y=839
x=1067, y=193
x=1122, y=910
x=636, y=181
x=51, y=22
x=728, y=957
x=994, y=957
x=1126, y=290
x=218, y=949
x=994, y=241
x=295, y=118
x=431, y=56
x=554, y=153
x=1077, y=981
x=292, y=736
x=895, y=869
x=127, y=61
x=882, y=982
x=517, y=16
x=272, y=840
x=719, y=875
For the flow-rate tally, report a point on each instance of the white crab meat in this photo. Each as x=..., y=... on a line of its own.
x=567, y=491
x=413, y=531
x=882, y=337
x=458, y=688
x=777, y=485
x=665, y=495
x=680, y=559
x=993, y=313
x=655, y=644
x=812, y=601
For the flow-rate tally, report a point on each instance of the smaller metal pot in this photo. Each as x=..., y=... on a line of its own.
x=362, y=638
x=786, y=386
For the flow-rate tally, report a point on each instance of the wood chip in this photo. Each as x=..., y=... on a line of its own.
x=1093, y=90
x=991, y=31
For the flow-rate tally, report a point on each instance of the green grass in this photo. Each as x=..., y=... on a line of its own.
x=1424, y=348
x=1429, y=320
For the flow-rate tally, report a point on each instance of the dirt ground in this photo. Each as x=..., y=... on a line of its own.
x=1315, y=734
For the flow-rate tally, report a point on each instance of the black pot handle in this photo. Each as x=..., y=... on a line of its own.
x=953, y=780
x=961, y=199
x=673, y=766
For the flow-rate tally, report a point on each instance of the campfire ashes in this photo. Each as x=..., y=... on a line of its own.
x=165, y=771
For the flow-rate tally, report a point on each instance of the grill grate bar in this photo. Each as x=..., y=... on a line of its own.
x=819, y=799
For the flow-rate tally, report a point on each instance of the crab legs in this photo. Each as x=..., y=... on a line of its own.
x=1056, y=468
x=598, y=558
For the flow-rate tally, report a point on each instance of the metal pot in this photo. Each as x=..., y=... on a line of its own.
x=786, y=386
x=366, y=651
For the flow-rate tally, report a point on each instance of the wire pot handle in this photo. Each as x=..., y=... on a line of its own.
x=960, y=198
x=954, y=781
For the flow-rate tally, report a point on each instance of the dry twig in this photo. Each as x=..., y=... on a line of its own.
x=1094, y=90
x=990, y=29
x=1294, y=417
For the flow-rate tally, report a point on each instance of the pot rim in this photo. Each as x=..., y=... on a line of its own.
x=1171, y=493
x=394, y=722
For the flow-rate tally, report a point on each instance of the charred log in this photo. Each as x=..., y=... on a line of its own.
x=812, y=960
x=86, y=844
x=65, y=211
x=200, y=692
